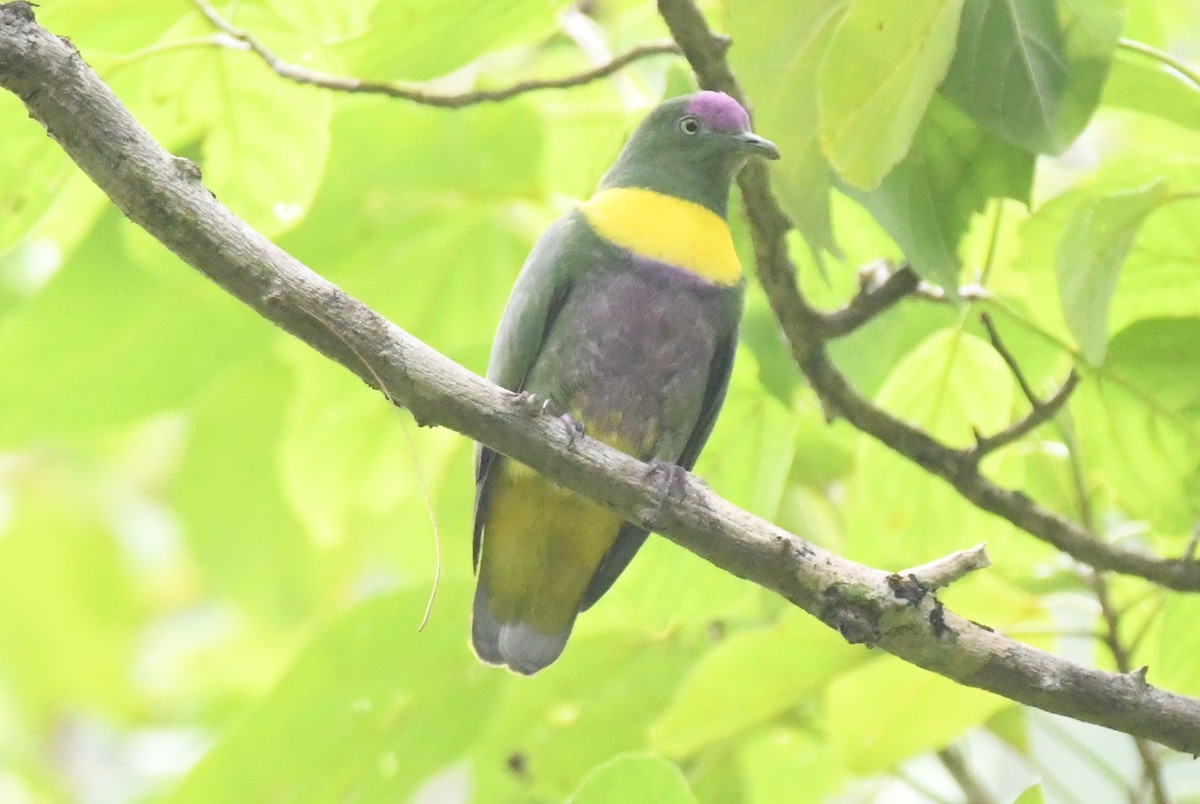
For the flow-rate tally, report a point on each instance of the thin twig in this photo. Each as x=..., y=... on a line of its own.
x=1178, y=65
x=973, y=789
x=970, y=292
x=302, y=75
x=1041, y=413
x=1189, y=552
x=1009, y=360
x=880, y=288
x=387, y=394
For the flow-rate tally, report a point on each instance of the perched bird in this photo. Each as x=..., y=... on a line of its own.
x=625, y=318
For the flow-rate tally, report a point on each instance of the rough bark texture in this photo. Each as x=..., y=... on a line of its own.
x=165, y=195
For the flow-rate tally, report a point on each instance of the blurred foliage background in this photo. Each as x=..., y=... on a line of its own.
x=216, y=547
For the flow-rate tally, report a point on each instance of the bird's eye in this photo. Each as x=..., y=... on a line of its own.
x=689, y=125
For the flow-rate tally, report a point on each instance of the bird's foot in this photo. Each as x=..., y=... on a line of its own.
x=674, y=486
x=575, y=429
x=528, y=402
x=533, y=404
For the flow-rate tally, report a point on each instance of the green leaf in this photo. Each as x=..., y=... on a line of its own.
x=634, y=777
x=27, y=152
x=1148, y=87
x=71, y=612
x=1138, y=421
x=750, y=678
x=883, y=66
x=877, y=728
x=416, y=40
x=926, y=202
x=1031, y=71
x=370, y=711
x=1179, y=644
x=263, y=140
x=781, y=47
x=774, y=759
x=1158, y=277
x=1095, y=241
x=237, y=523
x=592, y=704
x=108, y=341
x=950, y=385
x=333, y=23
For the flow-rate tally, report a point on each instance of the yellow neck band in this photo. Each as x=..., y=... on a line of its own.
x=667, y=229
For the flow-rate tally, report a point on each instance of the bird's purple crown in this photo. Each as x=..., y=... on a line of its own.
x=719, y=112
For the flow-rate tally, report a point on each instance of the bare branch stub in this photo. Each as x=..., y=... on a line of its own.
x=302, y=75
x=946, y=570
x=876, y=294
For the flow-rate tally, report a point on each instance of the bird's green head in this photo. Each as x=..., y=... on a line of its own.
x=690, y=147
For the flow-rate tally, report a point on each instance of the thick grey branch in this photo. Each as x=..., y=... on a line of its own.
x=164, y=194
x=302, y=75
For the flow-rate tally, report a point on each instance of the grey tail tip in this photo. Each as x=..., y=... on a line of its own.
x=517, y=645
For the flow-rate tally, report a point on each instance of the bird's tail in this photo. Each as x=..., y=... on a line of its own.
x=516, y=644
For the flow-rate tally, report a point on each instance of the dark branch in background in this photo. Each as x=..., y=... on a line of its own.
x=973, y=789
x=1111, y=637
x=807, y=331
x=164, y=195
x=1121, y=652
x=243, y=40
x=1040, y=412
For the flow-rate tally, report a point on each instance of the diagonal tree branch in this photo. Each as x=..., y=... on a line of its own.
x=807, y=330
x=244, y=40
x=164, y=195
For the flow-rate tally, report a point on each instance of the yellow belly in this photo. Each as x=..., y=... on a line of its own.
x=542, y=545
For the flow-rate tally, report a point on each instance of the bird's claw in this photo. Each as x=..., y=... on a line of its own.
x=575, y=429
x=528, y=402
x=674, y=487
x=546, y=407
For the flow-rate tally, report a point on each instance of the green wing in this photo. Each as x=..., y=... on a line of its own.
x=537, y=296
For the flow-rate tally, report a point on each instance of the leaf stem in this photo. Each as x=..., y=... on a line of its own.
x=1161, y=56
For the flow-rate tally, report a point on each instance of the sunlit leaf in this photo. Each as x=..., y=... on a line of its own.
x=1179, y=642
x=749, y=678
x=1145, y=86
x=643, y=777
x=926, y=201
x=878, y=728
x=785, y=764
x=951, y=385
x=415, y=40
x=370, y=710
x=130, y=348
x=883, y=65
x=781, y=47
x=1095, y=241
x=592, y=704
x=1139, y=422
x=263, y=140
